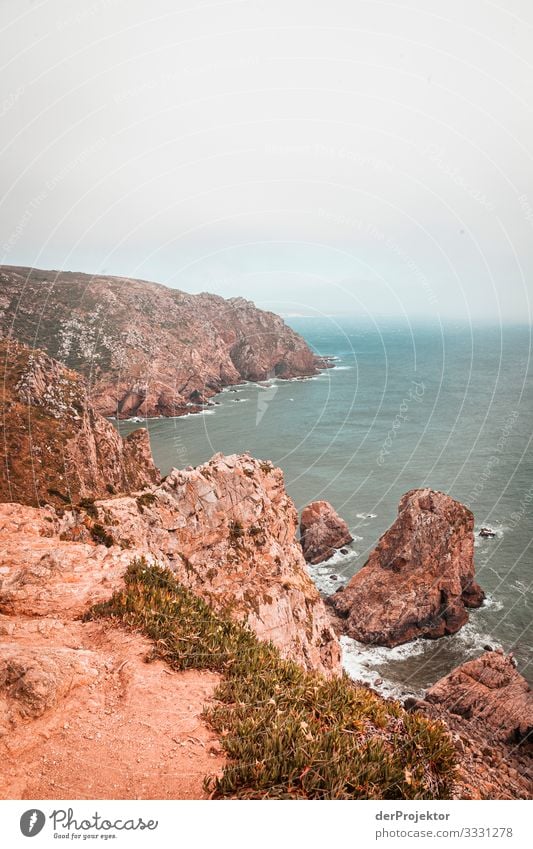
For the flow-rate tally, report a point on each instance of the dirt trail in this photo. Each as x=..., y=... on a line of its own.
x=120, y=728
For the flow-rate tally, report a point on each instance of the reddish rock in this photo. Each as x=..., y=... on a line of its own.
x=56, y=448
x=228, y=531
x=488, y=707
x=491, y=691
x=148, y=350
x=322, y=532
x=419, y=579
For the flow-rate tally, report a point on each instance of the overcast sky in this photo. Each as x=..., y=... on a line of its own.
x=318, y=157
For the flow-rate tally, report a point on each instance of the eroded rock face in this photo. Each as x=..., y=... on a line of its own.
x=57, y=449
x=228, y=531
x=488, y=707
x=489, y=690
x=322, y=532
x=419, y=580
x=104, y=328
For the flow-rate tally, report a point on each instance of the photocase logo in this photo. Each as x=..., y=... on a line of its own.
x=32, y=822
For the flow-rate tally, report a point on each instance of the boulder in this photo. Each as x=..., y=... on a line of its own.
x=419, y=580
x=322, y=532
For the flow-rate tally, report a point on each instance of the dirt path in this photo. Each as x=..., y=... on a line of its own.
x=118, y=729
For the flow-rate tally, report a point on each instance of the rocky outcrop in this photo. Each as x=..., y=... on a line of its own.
x=145, y=349
x=228, y=531
x=419, y=580
x=56, y=448
x=489, y=691
x=488, y=707
x=81, y=714
x=322, y=532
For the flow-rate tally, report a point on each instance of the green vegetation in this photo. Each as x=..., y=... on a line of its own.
x=236, y=531
x=147, y=499
x=100, y=535
x=88, y=505
x=287, y=733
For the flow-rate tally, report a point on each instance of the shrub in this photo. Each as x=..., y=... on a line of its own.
x=100, y=535
x=88, y=505
x=287, y=733
x=147, y=499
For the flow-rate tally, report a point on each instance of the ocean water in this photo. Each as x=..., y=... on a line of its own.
x=405, y=406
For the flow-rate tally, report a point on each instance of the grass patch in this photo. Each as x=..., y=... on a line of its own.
x=287, y=733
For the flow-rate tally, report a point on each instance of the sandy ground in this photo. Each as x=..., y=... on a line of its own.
x=127, y=730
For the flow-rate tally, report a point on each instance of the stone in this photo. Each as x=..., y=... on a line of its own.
x=58, y=450
x=419, y=580
x=489, y=690
x=322, y=532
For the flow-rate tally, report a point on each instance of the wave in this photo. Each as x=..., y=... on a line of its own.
x=491, y=602
x=360, y=662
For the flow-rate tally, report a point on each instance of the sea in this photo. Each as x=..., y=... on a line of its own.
x=405, y=406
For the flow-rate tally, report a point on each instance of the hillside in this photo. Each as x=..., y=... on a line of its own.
x=146, y=349
x=55, y=448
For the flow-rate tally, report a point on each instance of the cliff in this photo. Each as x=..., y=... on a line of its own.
x=227, y=530
x=419, y=580
x=146, y=349
x=488, y=706
x=56, y=448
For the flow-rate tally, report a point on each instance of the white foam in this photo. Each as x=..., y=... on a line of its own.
x=491, y=602
x=360, y=662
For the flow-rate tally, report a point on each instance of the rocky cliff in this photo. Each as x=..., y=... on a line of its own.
x=488, y=706
x=82, y=715
x=56, y=449
x=227, y=529
x=419, y=580
x=146, y=349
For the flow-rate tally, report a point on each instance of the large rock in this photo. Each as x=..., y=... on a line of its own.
x=322, y=532
x=489, y=690
x=228, y=531
x=419, y=580
x=148, y=350
x=488, y=707
x=56, y=448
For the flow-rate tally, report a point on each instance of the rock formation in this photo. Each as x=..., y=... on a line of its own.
x=488, y=706
x=73, y=691
x=228, y=531
x=490, y=691
x=145, y=349
x=419, y=580
x=81, y=714
x=56, y=449
x=322, y=532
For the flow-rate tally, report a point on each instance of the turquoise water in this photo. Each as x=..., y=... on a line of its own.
x=405, y=407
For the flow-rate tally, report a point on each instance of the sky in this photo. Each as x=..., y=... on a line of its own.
x=343, y=157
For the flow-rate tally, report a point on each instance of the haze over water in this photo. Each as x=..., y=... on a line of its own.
x=405, y=407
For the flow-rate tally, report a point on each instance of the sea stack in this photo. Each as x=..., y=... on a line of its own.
x=322, y=532
x=419, y=580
